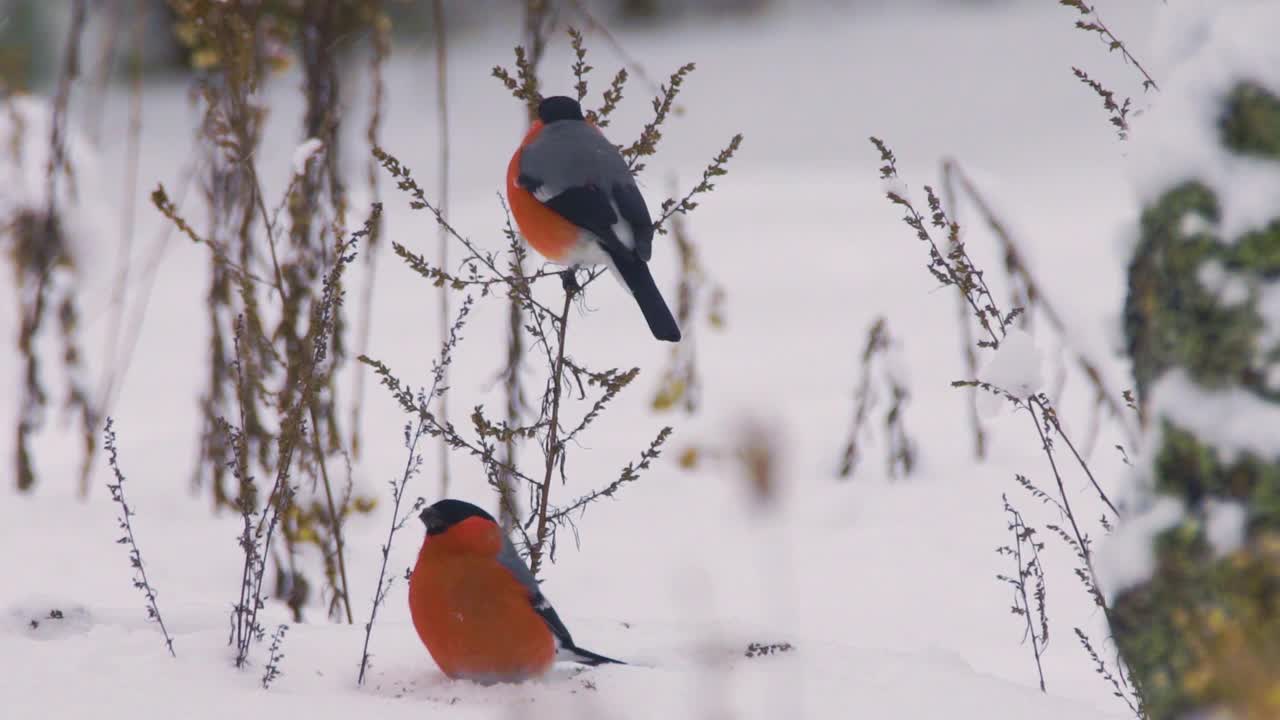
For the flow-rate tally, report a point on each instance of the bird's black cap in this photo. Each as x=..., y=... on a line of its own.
x=557, y=108
x=447, y=513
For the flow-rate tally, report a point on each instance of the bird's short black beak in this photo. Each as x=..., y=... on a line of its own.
x=431, y=519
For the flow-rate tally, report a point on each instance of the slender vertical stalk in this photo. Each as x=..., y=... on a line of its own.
x=966, y=332
x=442, y=112
x=334, y=518
x=113, y=368
x=553, y=447
x=381, y=40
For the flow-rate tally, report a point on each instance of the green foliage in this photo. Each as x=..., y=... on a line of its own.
x=1203, y=633
x=267, y=28
x=1171, y=319
x=1187, y=468
x=1251, y=122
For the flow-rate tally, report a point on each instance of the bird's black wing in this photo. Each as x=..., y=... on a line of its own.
x=542, y=606
x=589, y=208
x=636, y=214
x=511, y=560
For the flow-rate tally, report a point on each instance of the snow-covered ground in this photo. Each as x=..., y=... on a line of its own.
x=886, y=589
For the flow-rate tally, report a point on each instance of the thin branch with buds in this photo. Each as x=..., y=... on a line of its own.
x=140, y=579
x=1025, y=552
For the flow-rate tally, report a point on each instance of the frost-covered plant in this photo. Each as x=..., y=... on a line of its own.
x=1026, y=291
x=1199, y=623
x=1013, y=375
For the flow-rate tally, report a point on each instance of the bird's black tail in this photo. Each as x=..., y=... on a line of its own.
x=573, y=653
x=635, y=273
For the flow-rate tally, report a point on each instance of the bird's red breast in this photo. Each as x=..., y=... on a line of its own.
x=475, y=618
x=544, y=229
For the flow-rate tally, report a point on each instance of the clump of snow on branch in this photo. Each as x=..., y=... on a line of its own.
x=1127, y=557
x=303, y=154
x=1232, y=420
x=1228, y=287
x=1225, y=522
x=1017, y=367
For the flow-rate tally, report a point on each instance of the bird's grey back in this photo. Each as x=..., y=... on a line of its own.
x=511, y=560
x=571, y=153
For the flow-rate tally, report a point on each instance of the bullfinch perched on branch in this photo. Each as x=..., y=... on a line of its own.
x=576, y=203
x=477, y=607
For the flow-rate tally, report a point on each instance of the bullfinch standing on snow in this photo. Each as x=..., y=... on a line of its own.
x=576, y=203
x=477, y=607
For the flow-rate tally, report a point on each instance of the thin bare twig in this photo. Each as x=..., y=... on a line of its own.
x=553, y=448
x=412, y=463
x=1113, y=43
x=113, y=369
x=1027, y=569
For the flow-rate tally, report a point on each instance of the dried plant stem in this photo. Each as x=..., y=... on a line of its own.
x=334, y=517
x=966, y=331
x=1086, y=556
x=381, y=41
x=514, y=392
x=535, y=17
x=1112, y=42
x=61, y=101
x=113, y=368
x=442, y=259
x=1017, y=265
x=275, y=655
x=140, y=580
x=412, y=462
x=1027, y=568
x=554, y=448
x=50, y=252
x=384, y=583
x=97, y=91
x=1048, y=412
x=627, y=59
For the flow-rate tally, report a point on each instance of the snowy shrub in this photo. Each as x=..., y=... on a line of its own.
x=1200, y=625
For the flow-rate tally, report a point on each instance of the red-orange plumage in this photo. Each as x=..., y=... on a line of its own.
x=544, y=229
x=475, y=617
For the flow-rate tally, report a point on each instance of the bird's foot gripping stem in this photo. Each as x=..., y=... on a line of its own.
x=569, y=279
